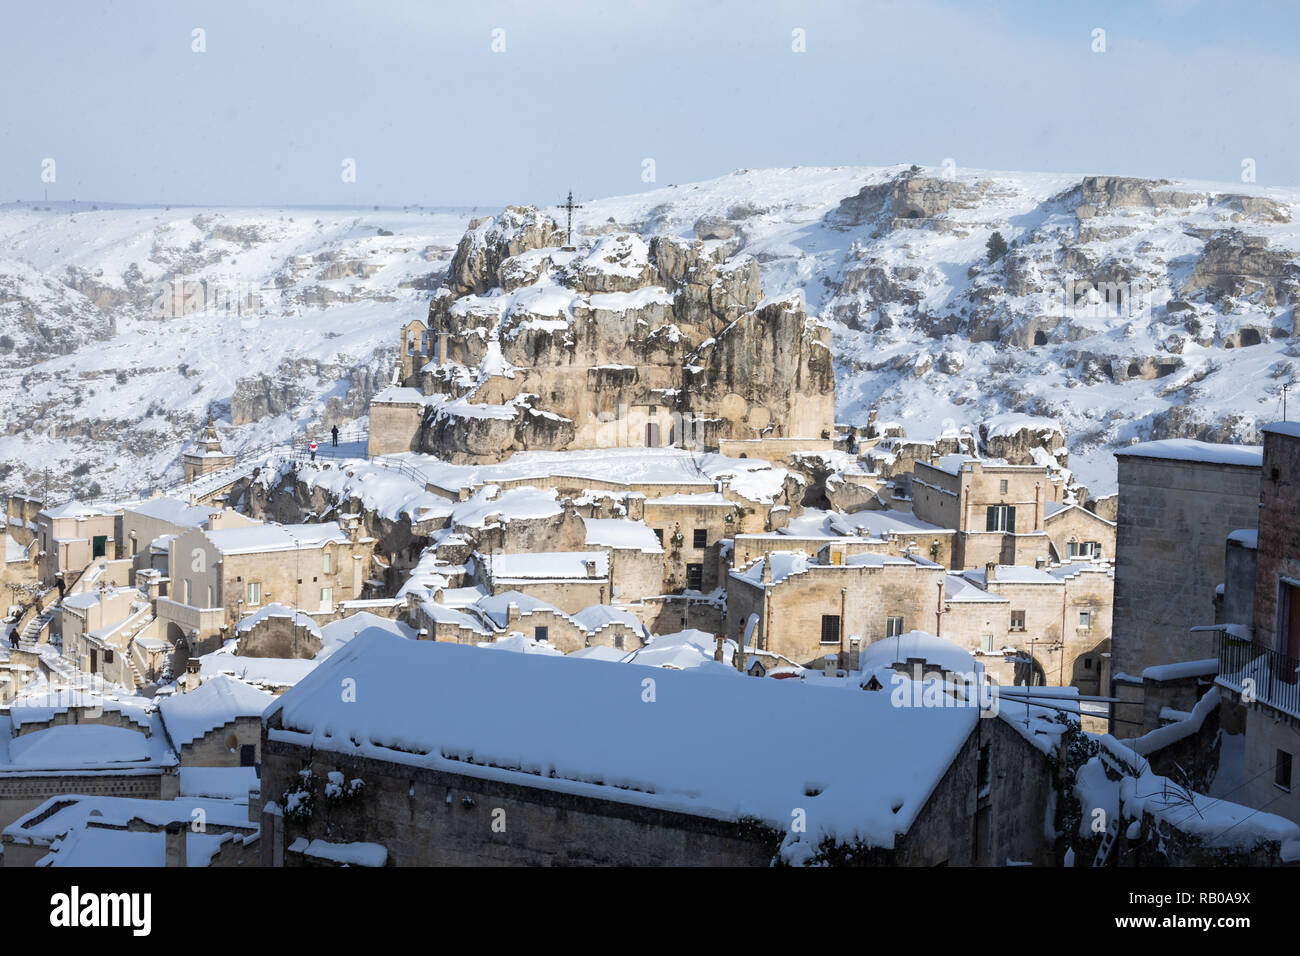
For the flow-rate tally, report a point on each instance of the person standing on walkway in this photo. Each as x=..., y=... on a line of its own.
x=334, y=433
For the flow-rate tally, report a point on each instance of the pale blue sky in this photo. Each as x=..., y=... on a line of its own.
x=585, y=91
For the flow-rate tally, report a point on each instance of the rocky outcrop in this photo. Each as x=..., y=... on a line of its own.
x=618, y=342
x=1239, y=265
x=491, y=241
x=907, y=197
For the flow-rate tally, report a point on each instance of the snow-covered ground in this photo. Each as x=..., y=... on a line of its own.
x=302, y=308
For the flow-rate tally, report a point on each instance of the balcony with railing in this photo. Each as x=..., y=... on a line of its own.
x=1259, y=674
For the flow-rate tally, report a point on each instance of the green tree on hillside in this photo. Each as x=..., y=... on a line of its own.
x=997, y=247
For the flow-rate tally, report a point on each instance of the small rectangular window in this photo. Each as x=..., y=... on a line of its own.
x=701, y=539
x=325, y=565
x=695, y=577
x=541, y=633
x=1282, y=774
x=1002, y=487
x=1085, y=620
x=893, y=626
x=986, y=642
x=1017, y=620
x=830, y=629
x=254, y=593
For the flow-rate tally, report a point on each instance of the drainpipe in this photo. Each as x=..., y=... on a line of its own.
x=843, y=624
x=938, y=612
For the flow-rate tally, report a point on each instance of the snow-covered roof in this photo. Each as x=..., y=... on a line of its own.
x=598, y=616
x=337, y=633
x=957, y=588
x=547, y=566
x=522, y=644
x=173, y=511
x=599, y=652
x=75, y=509
x=62, y=814
x=1182, y=669
x=99, y=846
x=1188, y=449
x=1246, y=537
x=344, y=854
x=690, y=649
x=496, y=606
x=1010, y=574
x=622, y=533
x=250, y=621
x=886, y=653
x=705, y=747
x=1290, y=429
x=66, y=747
x=41, y=707
x=276, y=537
x=396, y=395
x=216, y=702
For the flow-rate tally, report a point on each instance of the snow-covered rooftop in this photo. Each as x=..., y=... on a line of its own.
x=704, y=747
x=218, y=701
x=622, y=533
x=1188, y=449
x=276, y=537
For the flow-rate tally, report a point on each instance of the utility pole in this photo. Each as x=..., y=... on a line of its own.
x=1284, y=390
x=569, y=207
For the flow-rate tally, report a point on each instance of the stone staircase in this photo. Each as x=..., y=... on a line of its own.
x=28, y=638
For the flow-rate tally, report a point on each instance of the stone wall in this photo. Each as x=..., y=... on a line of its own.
x=790, y=620
x=394, y=427
x=1174, y=517
x=220, y=747
x=1279, y=538
x=432, y=818
x=20, y=794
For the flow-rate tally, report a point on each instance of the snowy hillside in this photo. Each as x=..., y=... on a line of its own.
x=122, y=328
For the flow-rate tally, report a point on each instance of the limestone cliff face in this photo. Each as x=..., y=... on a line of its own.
x=620, y=342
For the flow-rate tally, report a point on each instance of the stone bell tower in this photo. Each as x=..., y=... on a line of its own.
x=206, y=455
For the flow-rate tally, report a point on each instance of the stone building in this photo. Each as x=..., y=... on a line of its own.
x=1057, y=620
x=570, y=580
x=804, y=608
x=148, y=526
x=97, y=628
x=530, y=345
x=117, y=831
x=689, y=779
x=76, y=742
x=72, y=535
x=219, y=724
x=206, y=455
x=1078, y=534
x=1179, y=500
x=1258, y=663
x=218, y=577
x=998, y=510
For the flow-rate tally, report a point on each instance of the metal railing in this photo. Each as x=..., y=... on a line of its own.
x=296, y=448
x=1259, y=673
